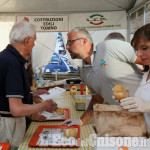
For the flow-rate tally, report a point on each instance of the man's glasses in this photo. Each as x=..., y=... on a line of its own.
x=69, y=42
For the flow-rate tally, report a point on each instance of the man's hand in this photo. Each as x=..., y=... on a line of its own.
x=71, y=122
x=50, y=106
x=134, y=104
x=38, y=92
x=38, y=117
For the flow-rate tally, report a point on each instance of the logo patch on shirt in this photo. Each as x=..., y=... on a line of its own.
x=103, y=63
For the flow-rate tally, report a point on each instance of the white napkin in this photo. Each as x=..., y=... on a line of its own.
x=55, y=92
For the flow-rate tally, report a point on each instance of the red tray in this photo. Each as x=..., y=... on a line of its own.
x=5, y=146
x=36, y=141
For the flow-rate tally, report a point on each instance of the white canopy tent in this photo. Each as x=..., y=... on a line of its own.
x=46, y=41
x=63, y=6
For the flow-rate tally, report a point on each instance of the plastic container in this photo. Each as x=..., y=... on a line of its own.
x=81, y=101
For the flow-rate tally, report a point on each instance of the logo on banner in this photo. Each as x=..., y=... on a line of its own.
x=26, y=19
x=96, y=19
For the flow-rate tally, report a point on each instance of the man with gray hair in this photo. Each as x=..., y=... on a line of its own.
x=115, y=35
x=111, y=64
x=15, y=86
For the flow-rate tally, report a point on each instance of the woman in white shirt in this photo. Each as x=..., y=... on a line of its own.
x=141, y=100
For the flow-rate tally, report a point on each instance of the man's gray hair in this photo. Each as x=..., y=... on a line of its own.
x=82, y=33
x=115, y=35
x=20, y=31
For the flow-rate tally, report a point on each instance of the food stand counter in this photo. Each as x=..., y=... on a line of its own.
x=64, y=101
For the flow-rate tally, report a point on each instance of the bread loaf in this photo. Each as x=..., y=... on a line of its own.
x=60, y=111
x=71, y=132
x=120, y=92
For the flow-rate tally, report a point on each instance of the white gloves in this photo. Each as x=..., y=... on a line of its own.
x=71, y=122
x=134, y=104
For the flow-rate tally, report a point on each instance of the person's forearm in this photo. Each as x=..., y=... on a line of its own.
x=17, y=108
x=28, y=109
x=88, y=114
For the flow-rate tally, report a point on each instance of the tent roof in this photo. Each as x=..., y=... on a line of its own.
x=63, y=6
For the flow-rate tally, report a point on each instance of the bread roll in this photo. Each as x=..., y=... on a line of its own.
x=71, y=132
x=60, y=111
x=120, y=92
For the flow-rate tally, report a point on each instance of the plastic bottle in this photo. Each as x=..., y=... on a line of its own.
x=71, y=84
x=73, y=90
x=81, y=88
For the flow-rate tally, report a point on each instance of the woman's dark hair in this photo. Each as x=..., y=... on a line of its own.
x=141, y=33
x=146, y=68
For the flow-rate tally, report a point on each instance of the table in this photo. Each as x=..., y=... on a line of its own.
x=64, y=101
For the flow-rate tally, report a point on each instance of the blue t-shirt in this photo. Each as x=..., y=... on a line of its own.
x=14, y=80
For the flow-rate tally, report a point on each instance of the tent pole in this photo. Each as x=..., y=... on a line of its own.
x=128, y=27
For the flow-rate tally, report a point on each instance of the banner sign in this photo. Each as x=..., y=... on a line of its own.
x=48, y=23
x=99, y=20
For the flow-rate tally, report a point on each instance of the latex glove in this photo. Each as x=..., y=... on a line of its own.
x=71, y=122
x=134, y=104
x=113, y=97
x=38, y=117
x=117, y=102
